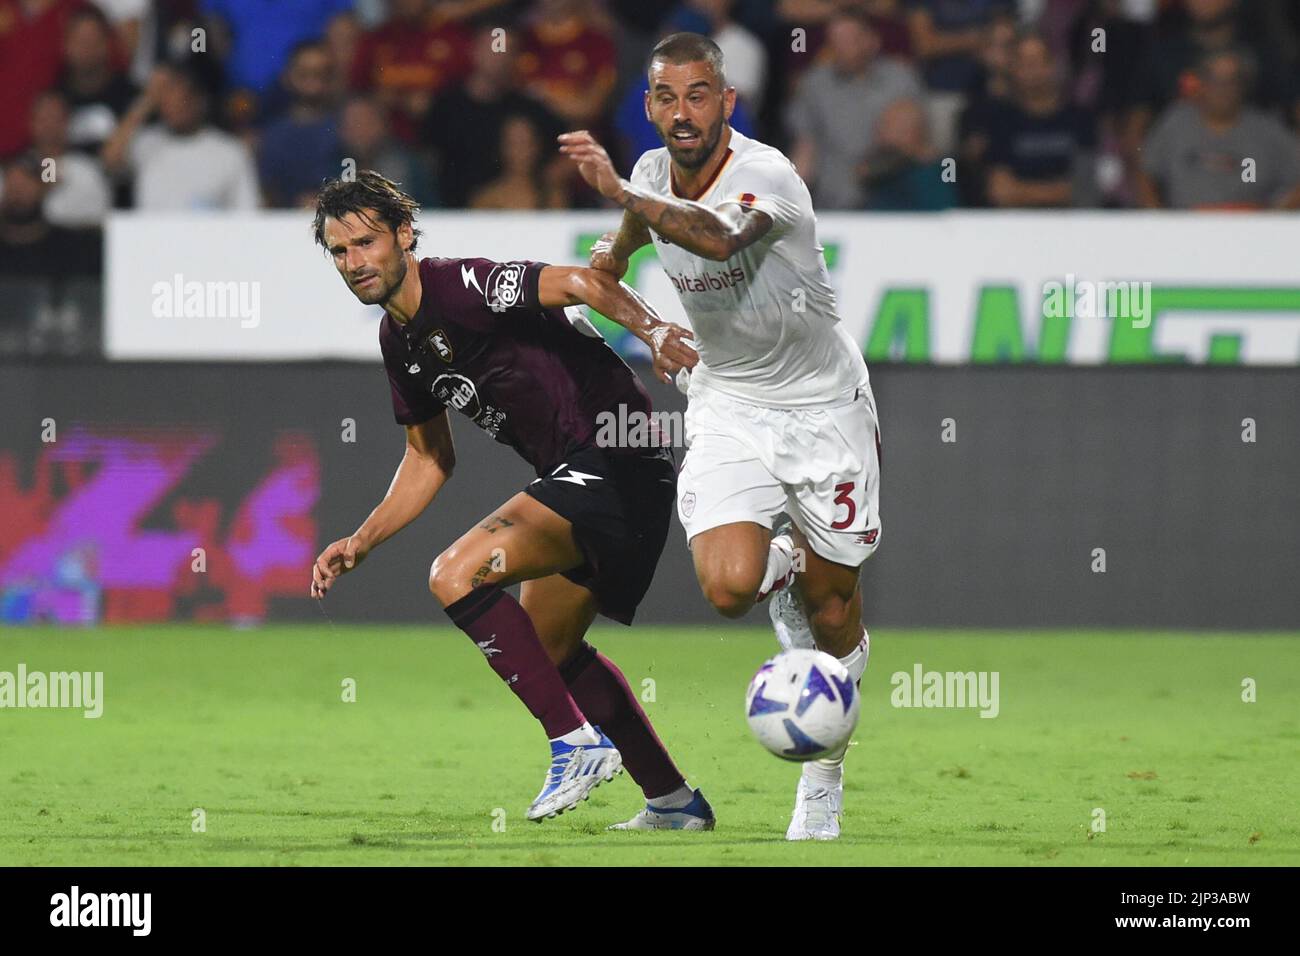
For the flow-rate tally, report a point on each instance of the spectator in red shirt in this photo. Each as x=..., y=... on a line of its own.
x=31, y=55
x=410, y=59
x=569, y=61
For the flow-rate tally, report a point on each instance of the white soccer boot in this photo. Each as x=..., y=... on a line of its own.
x=817, y=808
x=789, y=620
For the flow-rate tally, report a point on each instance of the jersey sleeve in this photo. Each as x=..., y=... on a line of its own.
x=770, y=187
x=476, y=292
x=410, y=405
x=641, y=171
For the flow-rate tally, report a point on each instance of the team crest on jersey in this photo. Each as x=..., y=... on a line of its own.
x=688, y=504
x=439, y=342
x=505, y=286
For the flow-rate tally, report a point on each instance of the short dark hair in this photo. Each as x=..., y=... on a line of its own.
x=851, y=11
x=305, y=46
x=200, y=78
x=368, y=191
x=679, y=48
x=1245, y=62
x=90, y=12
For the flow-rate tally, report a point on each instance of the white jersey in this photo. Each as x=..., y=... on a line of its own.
x=764, y=320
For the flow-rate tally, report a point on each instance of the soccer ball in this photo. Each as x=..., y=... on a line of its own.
x=802, y=704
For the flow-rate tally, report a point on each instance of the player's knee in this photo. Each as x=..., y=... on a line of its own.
x=730, y=597
x=447, y=579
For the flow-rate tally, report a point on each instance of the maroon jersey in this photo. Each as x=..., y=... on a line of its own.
x=482, y=344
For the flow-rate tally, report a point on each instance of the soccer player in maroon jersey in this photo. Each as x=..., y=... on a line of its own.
x=492, y=341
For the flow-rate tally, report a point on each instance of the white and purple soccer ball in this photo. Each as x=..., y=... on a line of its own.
x=802, y=704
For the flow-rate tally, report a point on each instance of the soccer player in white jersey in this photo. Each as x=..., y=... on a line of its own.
x=780, y=415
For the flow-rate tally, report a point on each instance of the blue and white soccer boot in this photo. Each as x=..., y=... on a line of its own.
x=576, y=770
x=696, y=815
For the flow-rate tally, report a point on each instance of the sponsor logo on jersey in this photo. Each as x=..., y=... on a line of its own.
x=709, y=281
x=459, y=392
x=505, y=286
x=439, y=342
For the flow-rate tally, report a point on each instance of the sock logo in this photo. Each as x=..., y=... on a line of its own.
x=487, y=648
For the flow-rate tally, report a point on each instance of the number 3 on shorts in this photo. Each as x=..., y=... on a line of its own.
x=844, y=497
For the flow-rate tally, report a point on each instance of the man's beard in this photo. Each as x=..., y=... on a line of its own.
x=695, y=156
x=382, y=291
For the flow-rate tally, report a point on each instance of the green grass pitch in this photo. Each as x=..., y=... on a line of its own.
x=251, y=727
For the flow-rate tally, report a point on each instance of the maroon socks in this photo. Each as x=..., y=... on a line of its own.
x=601, y=691
x=498, y=624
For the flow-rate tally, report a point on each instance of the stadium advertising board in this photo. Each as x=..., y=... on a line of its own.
x=952, y=288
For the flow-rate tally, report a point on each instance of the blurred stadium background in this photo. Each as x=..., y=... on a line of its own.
x=964, y=157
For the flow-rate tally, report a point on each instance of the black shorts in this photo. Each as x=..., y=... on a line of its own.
x=621, y=506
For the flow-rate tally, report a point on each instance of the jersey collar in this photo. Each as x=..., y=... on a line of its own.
x=672, y=184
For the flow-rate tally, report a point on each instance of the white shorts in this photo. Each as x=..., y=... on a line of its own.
x=749, y=463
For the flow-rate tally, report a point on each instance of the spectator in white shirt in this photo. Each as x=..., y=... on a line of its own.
x=79, y=194
x=181, y=162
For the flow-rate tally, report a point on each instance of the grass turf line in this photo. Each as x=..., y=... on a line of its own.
x=250, y=727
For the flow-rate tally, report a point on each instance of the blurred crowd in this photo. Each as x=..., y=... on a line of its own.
x=882, y=104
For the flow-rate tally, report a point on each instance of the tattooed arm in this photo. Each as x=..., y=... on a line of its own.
x=712, y=233
x=560, y=286
x=611, y=252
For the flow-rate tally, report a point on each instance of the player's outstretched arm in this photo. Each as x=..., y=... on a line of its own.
x=712, y=233
x=611, y=252
x=426, y=465
x=559, y=286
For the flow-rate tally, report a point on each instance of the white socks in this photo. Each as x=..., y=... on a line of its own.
x=584, y=736
x=829, y=770
x=679, y=798
x=780, y=559
x=856, y=659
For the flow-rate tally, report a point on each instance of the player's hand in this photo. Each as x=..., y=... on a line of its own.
x=593, y=162
x=336, y=560
x=603, y=258
x=671, y=350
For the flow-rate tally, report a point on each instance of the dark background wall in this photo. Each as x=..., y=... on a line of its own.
x=996, y=529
